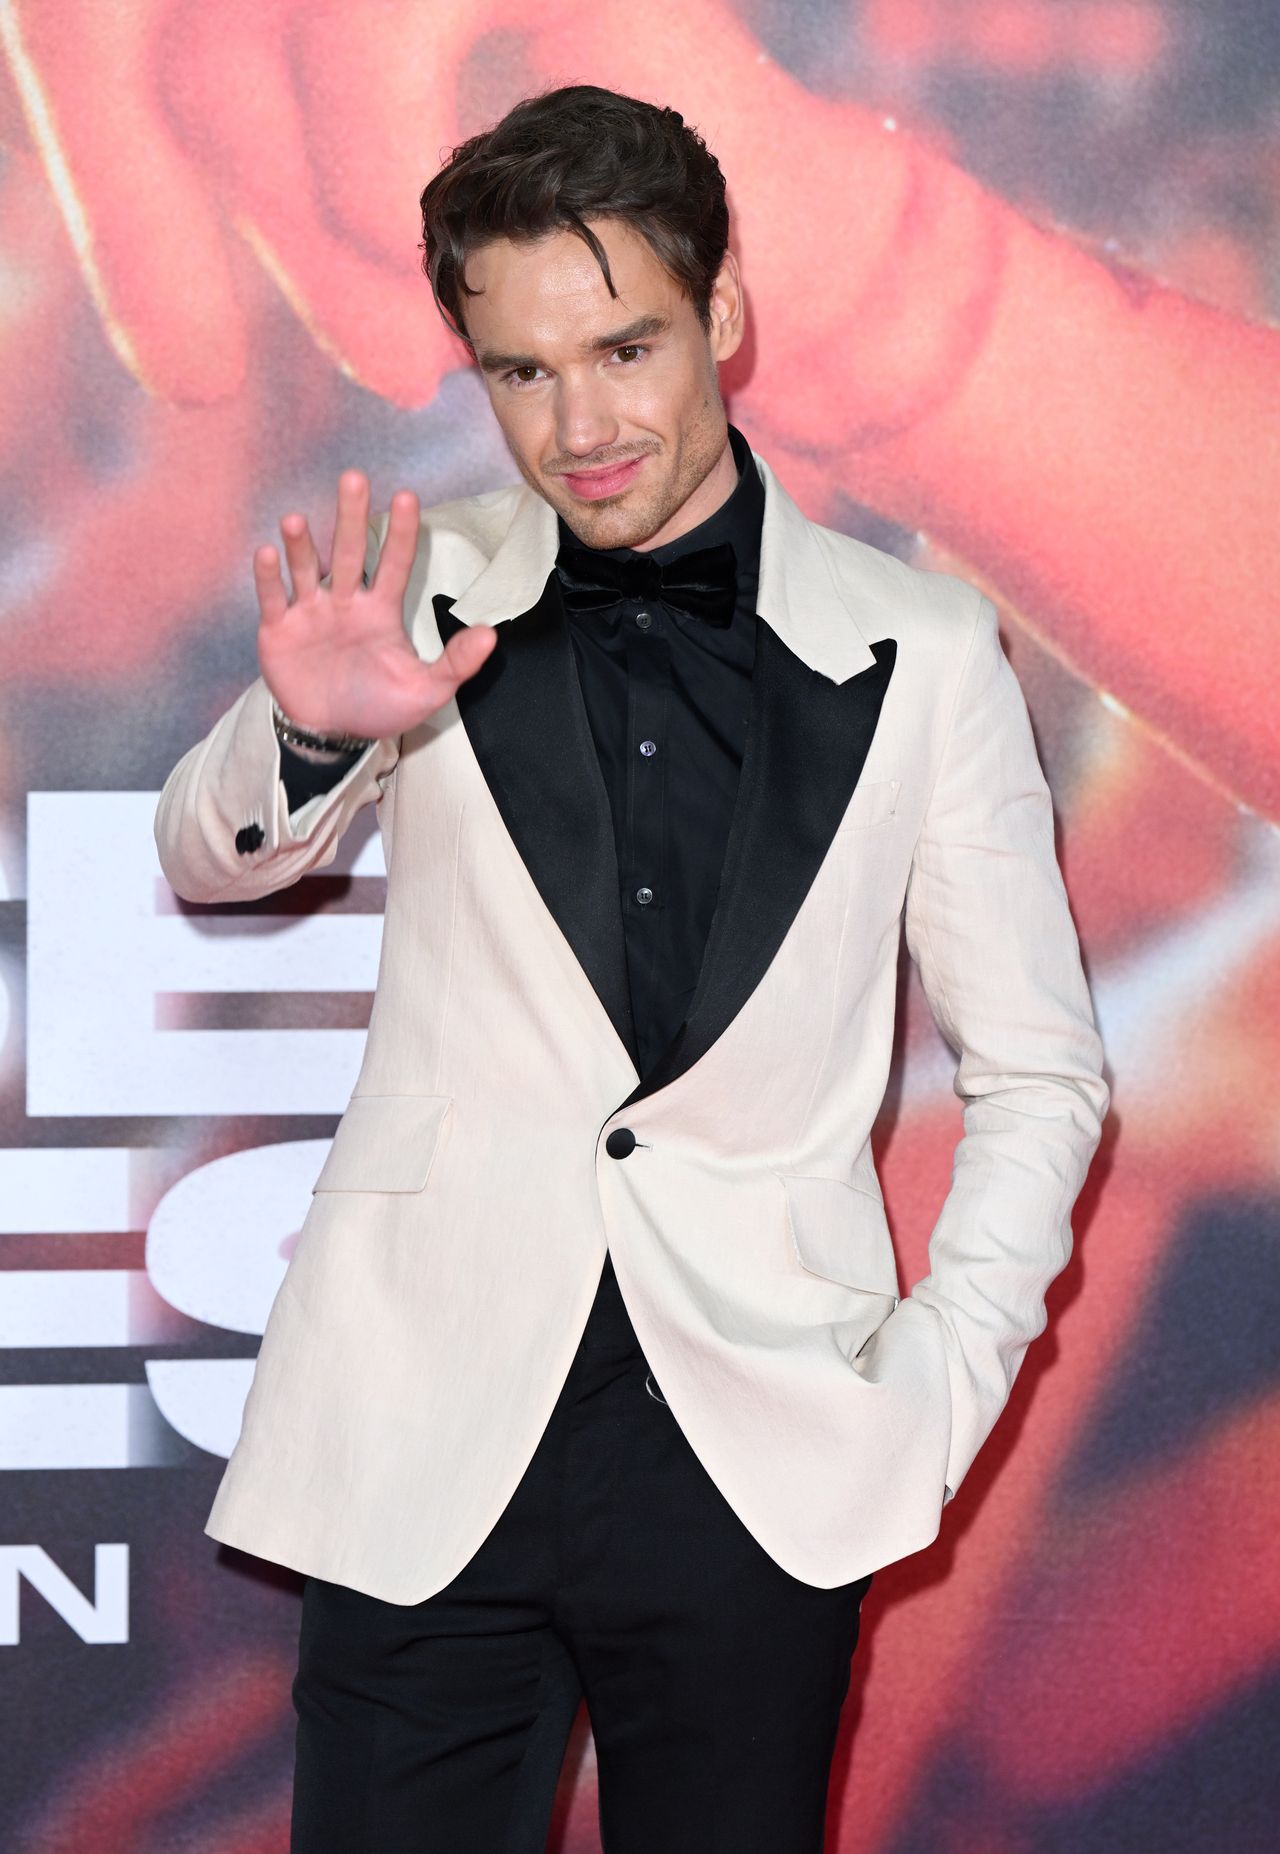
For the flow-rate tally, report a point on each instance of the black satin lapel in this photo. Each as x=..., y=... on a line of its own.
x=527, y=723
x=806, y=743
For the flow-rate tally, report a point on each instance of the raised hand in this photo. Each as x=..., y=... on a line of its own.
x=337, y=658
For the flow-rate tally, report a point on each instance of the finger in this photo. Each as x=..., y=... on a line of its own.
x=350, y=533
x=400, y=547
x=273, y=601
x=435, y=682
x=461, y=658
x=300, y=552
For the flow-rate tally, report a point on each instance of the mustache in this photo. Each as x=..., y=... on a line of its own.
x=577, y=468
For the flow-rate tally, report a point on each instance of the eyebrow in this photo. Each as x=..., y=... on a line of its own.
x=642, y=326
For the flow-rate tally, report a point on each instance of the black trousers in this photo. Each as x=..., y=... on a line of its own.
x=713, y=1679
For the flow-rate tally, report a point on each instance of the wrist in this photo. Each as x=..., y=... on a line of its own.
x=308, y=740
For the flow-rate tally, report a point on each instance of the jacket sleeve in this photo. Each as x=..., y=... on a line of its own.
x=988, y=925
x=223, y=827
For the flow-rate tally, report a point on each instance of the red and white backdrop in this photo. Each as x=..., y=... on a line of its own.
x=1014, y=275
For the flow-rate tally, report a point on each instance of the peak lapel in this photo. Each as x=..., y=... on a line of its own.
x=527, y=724
x=817, y=691
x=807, y=740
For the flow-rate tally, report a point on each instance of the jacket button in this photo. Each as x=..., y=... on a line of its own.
x=249, y=839
x=620, y=1142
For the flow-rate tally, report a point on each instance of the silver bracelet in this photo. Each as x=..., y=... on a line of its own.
x=294, y=735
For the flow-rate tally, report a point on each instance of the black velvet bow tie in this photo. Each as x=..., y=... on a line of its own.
x=703, y=582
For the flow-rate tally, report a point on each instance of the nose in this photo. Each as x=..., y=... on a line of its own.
x=585, y=425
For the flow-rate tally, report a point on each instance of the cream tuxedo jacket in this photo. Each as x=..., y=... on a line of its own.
x=456, y=1233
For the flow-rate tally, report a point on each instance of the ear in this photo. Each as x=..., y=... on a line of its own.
x=728, y=310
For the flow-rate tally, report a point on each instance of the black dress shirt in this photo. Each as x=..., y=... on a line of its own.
x=667, y=697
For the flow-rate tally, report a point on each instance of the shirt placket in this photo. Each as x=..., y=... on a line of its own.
x=644, y=871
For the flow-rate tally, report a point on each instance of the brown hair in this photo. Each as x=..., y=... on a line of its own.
x=569, y=155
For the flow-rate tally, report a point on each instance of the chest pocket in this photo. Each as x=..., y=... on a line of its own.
x=874, y=802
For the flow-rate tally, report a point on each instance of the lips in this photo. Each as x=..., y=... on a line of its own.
x=591, y=485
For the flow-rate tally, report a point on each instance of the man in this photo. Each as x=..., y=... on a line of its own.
x=589, y=1374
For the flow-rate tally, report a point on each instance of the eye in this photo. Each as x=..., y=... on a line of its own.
x=630, y=347
x=512, y=379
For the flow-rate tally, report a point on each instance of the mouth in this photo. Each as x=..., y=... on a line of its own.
x=593, y=485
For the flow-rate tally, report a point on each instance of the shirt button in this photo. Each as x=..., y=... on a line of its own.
x=648, y=748
x=644, y=620
x=644, y=896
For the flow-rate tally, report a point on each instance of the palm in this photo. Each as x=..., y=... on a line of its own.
x=337, y=658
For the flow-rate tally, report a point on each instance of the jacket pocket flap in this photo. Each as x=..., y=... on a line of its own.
x=384, y=1142
x=841, y=1233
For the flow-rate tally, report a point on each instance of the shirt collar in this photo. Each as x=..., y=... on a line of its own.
x=821, y=592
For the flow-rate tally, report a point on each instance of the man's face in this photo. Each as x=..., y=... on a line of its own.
x=643, y=412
